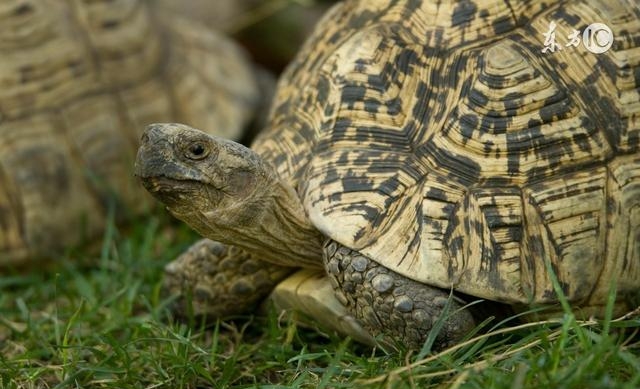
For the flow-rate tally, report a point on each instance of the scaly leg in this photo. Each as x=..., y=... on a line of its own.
x=389, y=304
x=220, y=280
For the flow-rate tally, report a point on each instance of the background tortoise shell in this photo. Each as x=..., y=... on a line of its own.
x=439, y=140
x=79, y=82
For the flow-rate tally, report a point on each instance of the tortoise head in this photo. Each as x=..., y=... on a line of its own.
x=228, y=193
x=194, y=173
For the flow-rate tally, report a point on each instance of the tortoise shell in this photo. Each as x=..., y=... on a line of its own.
x=79, y=81
x=446, y=141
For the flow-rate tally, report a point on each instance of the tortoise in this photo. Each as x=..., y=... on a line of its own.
x=420, y=155
x=79, y=81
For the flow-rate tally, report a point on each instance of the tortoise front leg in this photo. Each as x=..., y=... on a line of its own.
x=219, y=280
x=389, y=304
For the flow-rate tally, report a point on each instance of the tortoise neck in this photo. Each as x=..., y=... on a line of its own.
x=285, y=232
x=271, y=224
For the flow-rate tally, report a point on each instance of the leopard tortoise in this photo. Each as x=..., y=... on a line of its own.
x=78, y=80
x=418, y=148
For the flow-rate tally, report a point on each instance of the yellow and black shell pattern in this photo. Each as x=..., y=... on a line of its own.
x=475, y=145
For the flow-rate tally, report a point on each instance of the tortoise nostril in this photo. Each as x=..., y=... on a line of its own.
x=153, y=130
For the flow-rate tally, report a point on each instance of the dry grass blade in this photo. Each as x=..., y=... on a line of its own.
x=494, y=358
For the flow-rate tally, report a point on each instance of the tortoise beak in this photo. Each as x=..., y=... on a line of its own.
x=151, y=157
x=157, y=155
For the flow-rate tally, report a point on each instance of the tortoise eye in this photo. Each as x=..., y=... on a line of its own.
x=197, y=150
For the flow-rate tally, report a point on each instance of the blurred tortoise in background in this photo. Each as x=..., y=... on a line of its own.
x=78, y=80
x=415, y=148
x=272, y=31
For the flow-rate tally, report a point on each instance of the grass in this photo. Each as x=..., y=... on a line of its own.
x=102, y=322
